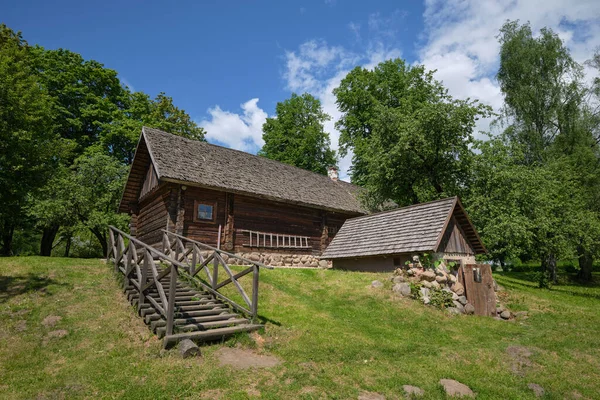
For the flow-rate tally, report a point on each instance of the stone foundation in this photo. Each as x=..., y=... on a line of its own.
x=279, y=260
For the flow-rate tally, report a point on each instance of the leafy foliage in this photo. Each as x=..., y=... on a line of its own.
x=296, y=135
x=26, y=138
x=410, y=139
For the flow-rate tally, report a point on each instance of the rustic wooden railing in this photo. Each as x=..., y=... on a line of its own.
x=129, y=255
x=189, y=252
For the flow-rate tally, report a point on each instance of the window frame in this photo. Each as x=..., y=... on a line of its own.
x=213, y=204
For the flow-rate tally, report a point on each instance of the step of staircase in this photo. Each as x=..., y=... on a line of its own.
x=199, y=315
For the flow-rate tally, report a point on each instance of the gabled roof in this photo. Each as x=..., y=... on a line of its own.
x=195, y=163
x=412, y=229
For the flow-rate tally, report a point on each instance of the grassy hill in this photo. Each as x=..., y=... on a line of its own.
x=336, y=337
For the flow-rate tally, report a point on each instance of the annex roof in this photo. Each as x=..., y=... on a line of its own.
x=181, y=160
x=412, y=229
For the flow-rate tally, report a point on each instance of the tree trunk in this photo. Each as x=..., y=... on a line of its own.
x=48, y=236
x=68, y=245
x=7, y=238
x=102, y=239
x=586, y=262
x=552, y=268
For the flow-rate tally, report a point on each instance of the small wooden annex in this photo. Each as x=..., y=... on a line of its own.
x=386, y=240
x=271, y=212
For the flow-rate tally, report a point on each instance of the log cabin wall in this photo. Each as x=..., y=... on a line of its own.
x=153, y=215
x=170, y=207
x=204, y=231
x=236, y=213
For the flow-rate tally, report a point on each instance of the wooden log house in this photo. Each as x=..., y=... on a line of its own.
x=263, y=209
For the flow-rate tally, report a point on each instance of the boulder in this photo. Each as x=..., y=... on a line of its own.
x=412, y=391
x=499, y=309
x=441, y=279
x=435, y=285
x=398, y=279
x=505, y=314
x=411, y=272
x=402, y=289
x=304, y=259
x=455, y=296
x=376, y=284
x=460, y=307
x=458, y=288
x=187, y=349
x=427, y=284
x=254, y=257
x=323, y=264
x=456, y=389
x=462, y=300
x=424, y=292
x=451, y=278
x=399, y=271
x=428, y=276
x=469, y=309
x=453, y=311
x=426, y=300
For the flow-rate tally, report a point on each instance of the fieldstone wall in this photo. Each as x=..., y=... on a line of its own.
x=279, y=260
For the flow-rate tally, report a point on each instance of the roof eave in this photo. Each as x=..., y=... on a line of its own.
x=250, y=194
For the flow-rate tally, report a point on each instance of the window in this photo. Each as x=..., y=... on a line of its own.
x=204, y=211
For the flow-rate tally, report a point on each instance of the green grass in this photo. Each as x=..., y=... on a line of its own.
x=335, y=335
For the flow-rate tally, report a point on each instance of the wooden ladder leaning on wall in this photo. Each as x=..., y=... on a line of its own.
x=177, y=291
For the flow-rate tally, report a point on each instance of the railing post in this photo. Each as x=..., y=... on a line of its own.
x=118, y=253
x=171, y=300
x=111, y=241
x=255, y=292
x=215, y=274
x=144, y=277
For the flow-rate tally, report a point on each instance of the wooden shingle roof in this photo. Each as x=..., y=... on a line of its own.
x=413, y=229
x=181, y=160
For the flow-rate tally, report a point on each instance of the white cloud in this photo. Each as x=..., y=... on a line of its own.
x=318, y=68
x=461, y=38
x=238, y=131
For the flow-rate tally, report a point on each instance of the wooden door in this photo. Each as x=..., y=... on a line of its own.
x=479, y=288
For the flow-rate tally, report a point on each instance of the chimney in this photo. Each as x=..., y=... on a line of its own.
x=332, y=172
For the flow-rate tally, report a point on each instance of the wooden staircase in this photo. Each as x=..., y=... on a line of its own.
x=158, y=285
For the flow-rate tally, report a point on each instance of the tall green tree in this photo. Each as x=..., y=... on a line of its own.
x=410, y=139
x=26, y=133
x=97, y=184
x=542, y=89
x=296, y=135
x=548, y=147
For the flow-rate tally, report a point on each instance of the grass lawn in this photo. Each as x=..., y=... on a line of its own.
x=335, y=335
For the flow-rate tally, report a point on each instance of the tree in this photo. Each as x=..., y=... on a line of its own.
x=121, y=134
x=26, y=134
x=86, y=95
x=547, y=116
x=296, y=135
x=97, y=183
x=411, y=140
x=522, y=210
x=542, y=88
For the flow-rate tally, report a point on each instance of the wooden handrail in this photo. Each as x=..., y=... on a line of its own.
x=181, y=243
x=206, y=246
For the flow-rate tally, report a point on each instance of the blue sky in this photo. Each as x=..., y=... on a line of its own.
x=228, y=63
